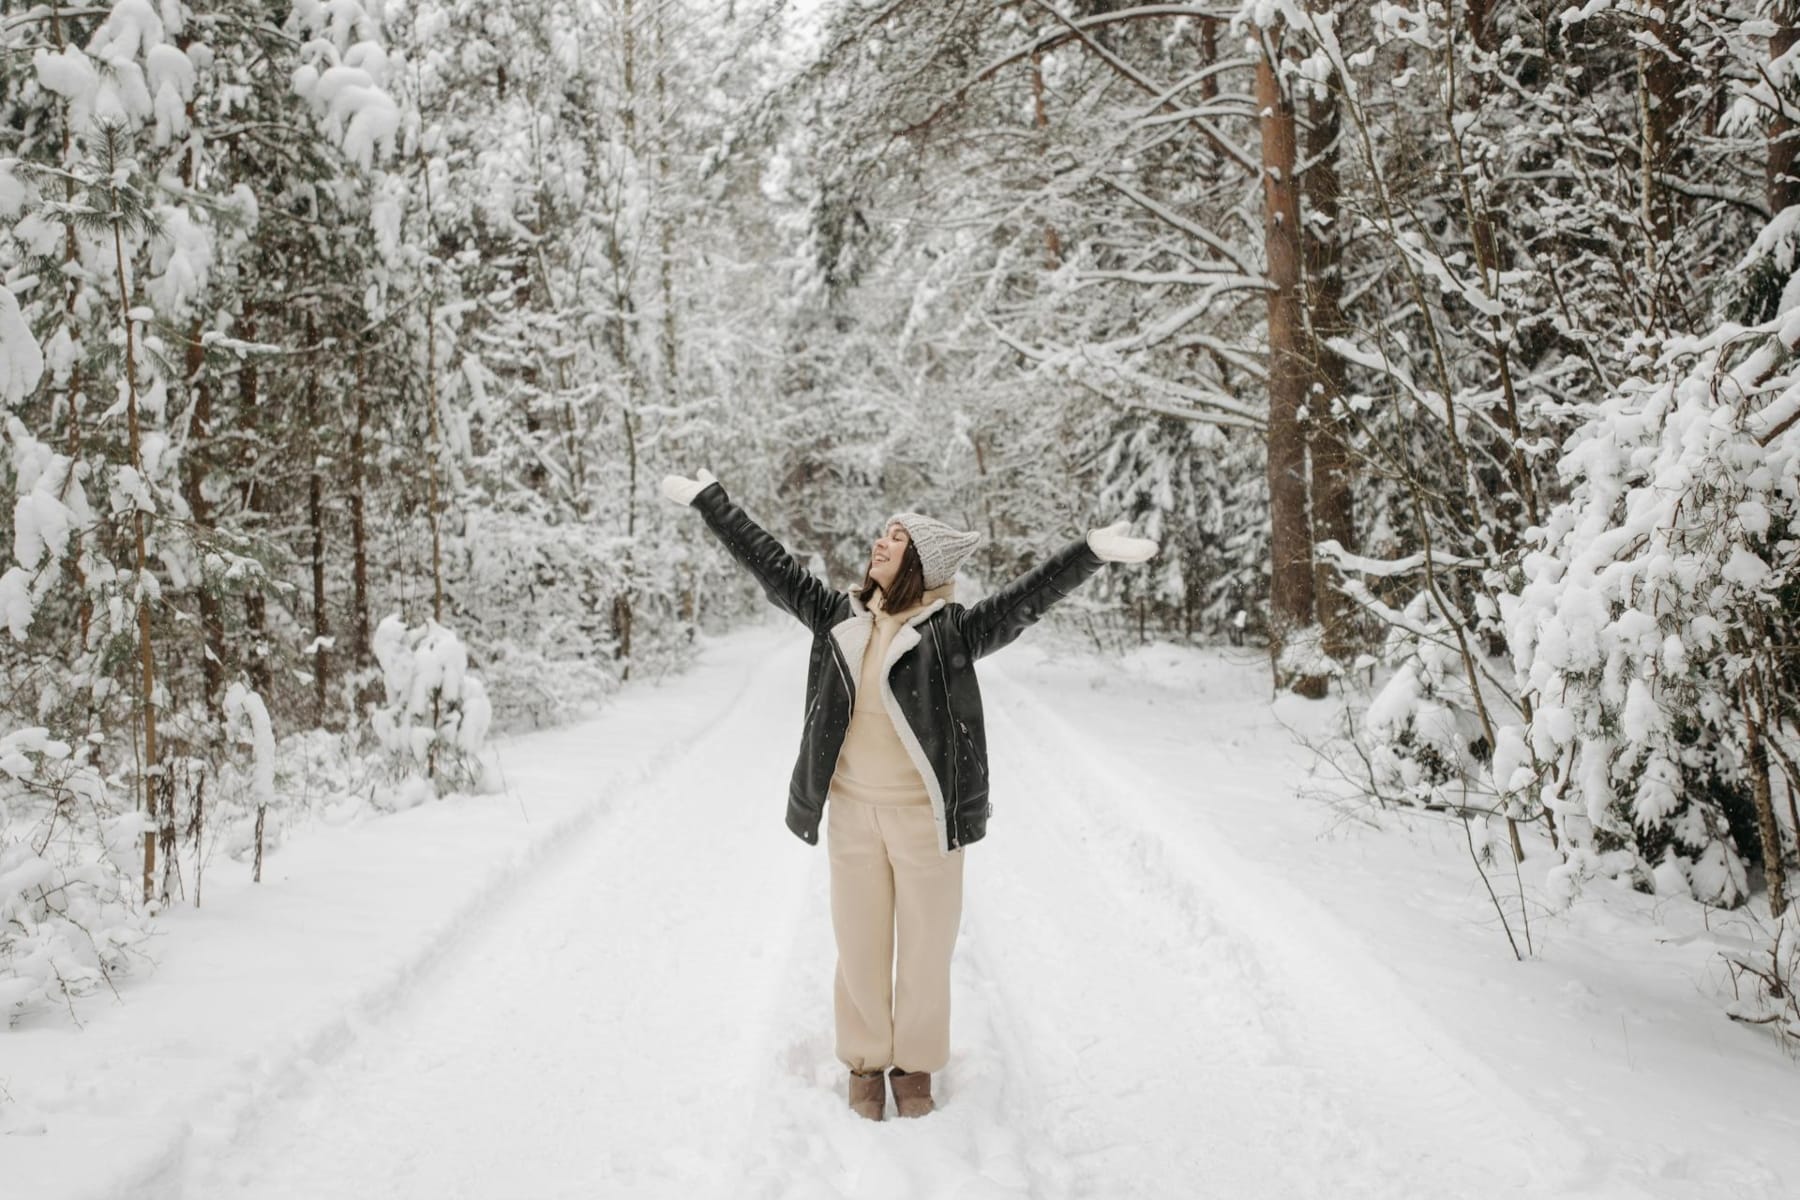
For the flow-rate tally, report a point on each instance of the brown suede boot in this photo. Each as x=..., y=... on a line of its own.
x=912, y=1092
x=868, y=1095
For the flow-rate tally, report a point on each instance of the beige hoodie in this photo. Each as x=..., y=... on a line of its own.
x=873, y=766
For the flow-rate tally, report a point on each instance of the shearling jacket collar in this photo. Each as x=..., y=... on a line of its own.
x=853, y=632
x=945, y=592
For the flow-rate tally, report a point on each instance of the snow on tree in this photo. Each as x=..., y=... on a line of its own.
x=1651, y=629
x=21, y=361
x=247, y=717
x=1477, y=319
x=437, y=713
x=68, y=922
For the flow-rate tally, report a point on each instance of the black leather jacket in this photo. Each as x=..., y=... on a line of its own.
x=932, y=692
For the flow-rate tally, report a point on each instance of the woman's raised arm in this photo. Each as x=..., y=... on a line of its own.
x=787, y=584
x=1002, y=617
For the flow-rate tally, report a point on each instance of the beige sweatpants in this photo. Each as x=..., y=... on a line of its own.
x=891, y=890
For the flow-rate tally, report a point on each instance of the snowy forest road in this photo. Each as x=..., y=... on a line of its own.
x=1137, y=1014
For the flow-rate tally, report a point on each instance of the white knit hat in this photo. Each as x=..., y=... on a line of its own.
x=941, y=548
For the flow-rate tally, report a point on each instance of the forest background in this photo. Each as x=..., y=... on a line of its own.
x=1449, y=350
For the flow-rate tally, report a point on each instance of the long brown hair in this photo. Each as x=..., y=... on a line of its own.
x=909, y=583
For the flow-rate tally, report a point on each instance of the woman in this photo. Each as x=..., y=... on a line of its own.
x=893, y=737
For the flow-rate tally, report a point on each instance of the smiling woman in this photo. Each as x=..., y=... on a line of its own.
x=894, y=740
x=895, y=569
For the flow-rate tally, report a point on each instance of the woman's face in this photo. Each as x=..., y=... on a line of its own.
x=884, y=558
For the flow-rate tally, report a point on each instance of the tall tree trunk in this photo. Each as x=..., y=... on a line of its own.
x=315, y=514
x=431, y=483
x=1659, y=102
x=1209, y=54
x=628, y=361
x=1477, y=15
x=256, y=623
x=628, y=31
x=1768, y=829
x=71, y=300
x=1040, y=120
x=666, y=231
x=1290, y=527
x=432, y=462
x=434, y=450
x=622, y=600
x=150, y=773
x=359, y=529
x=1782, y=178
x=196, y=465
x=1333, y=512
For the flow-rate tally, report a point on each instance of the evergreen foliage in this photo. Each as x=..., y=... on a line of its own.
x=341, y=338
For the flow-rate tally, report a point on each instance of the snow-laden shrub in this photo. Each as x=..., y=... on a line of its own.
x=1429, y=733
x=1645, y=627
x=247, y=720
x=51, y=504
x=1659, y=600
x=436, y=715
x=1421, y=726
x=69, y=874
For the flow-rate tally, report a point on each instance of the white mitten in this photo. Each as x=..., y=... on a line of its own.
x=1115, y=544
x=682, y=490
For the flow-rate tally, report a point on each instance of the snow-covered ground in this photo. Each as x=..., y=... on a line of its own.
x=1177, y=978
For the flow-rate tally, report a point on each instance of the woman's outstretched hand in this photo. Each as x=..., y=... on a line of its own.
x=1114, y=543
x=682, y=490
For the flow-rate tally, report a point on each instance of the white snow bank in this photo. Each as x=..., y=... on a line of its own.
x=1614, y=1032
x=255, y=989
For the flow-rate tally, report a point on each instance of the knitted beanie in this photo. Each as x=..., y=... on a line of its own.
x=941, y=548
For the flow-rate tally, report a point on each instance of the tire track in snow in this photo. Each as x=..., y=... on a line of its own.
x=269, y=1081
x=1323, y=1075
x=597, y=1034
x=1155, y=1069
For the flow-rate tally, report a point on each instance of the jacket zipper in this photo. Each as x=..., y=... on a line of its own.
x=955, y=775
x=841, y=674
